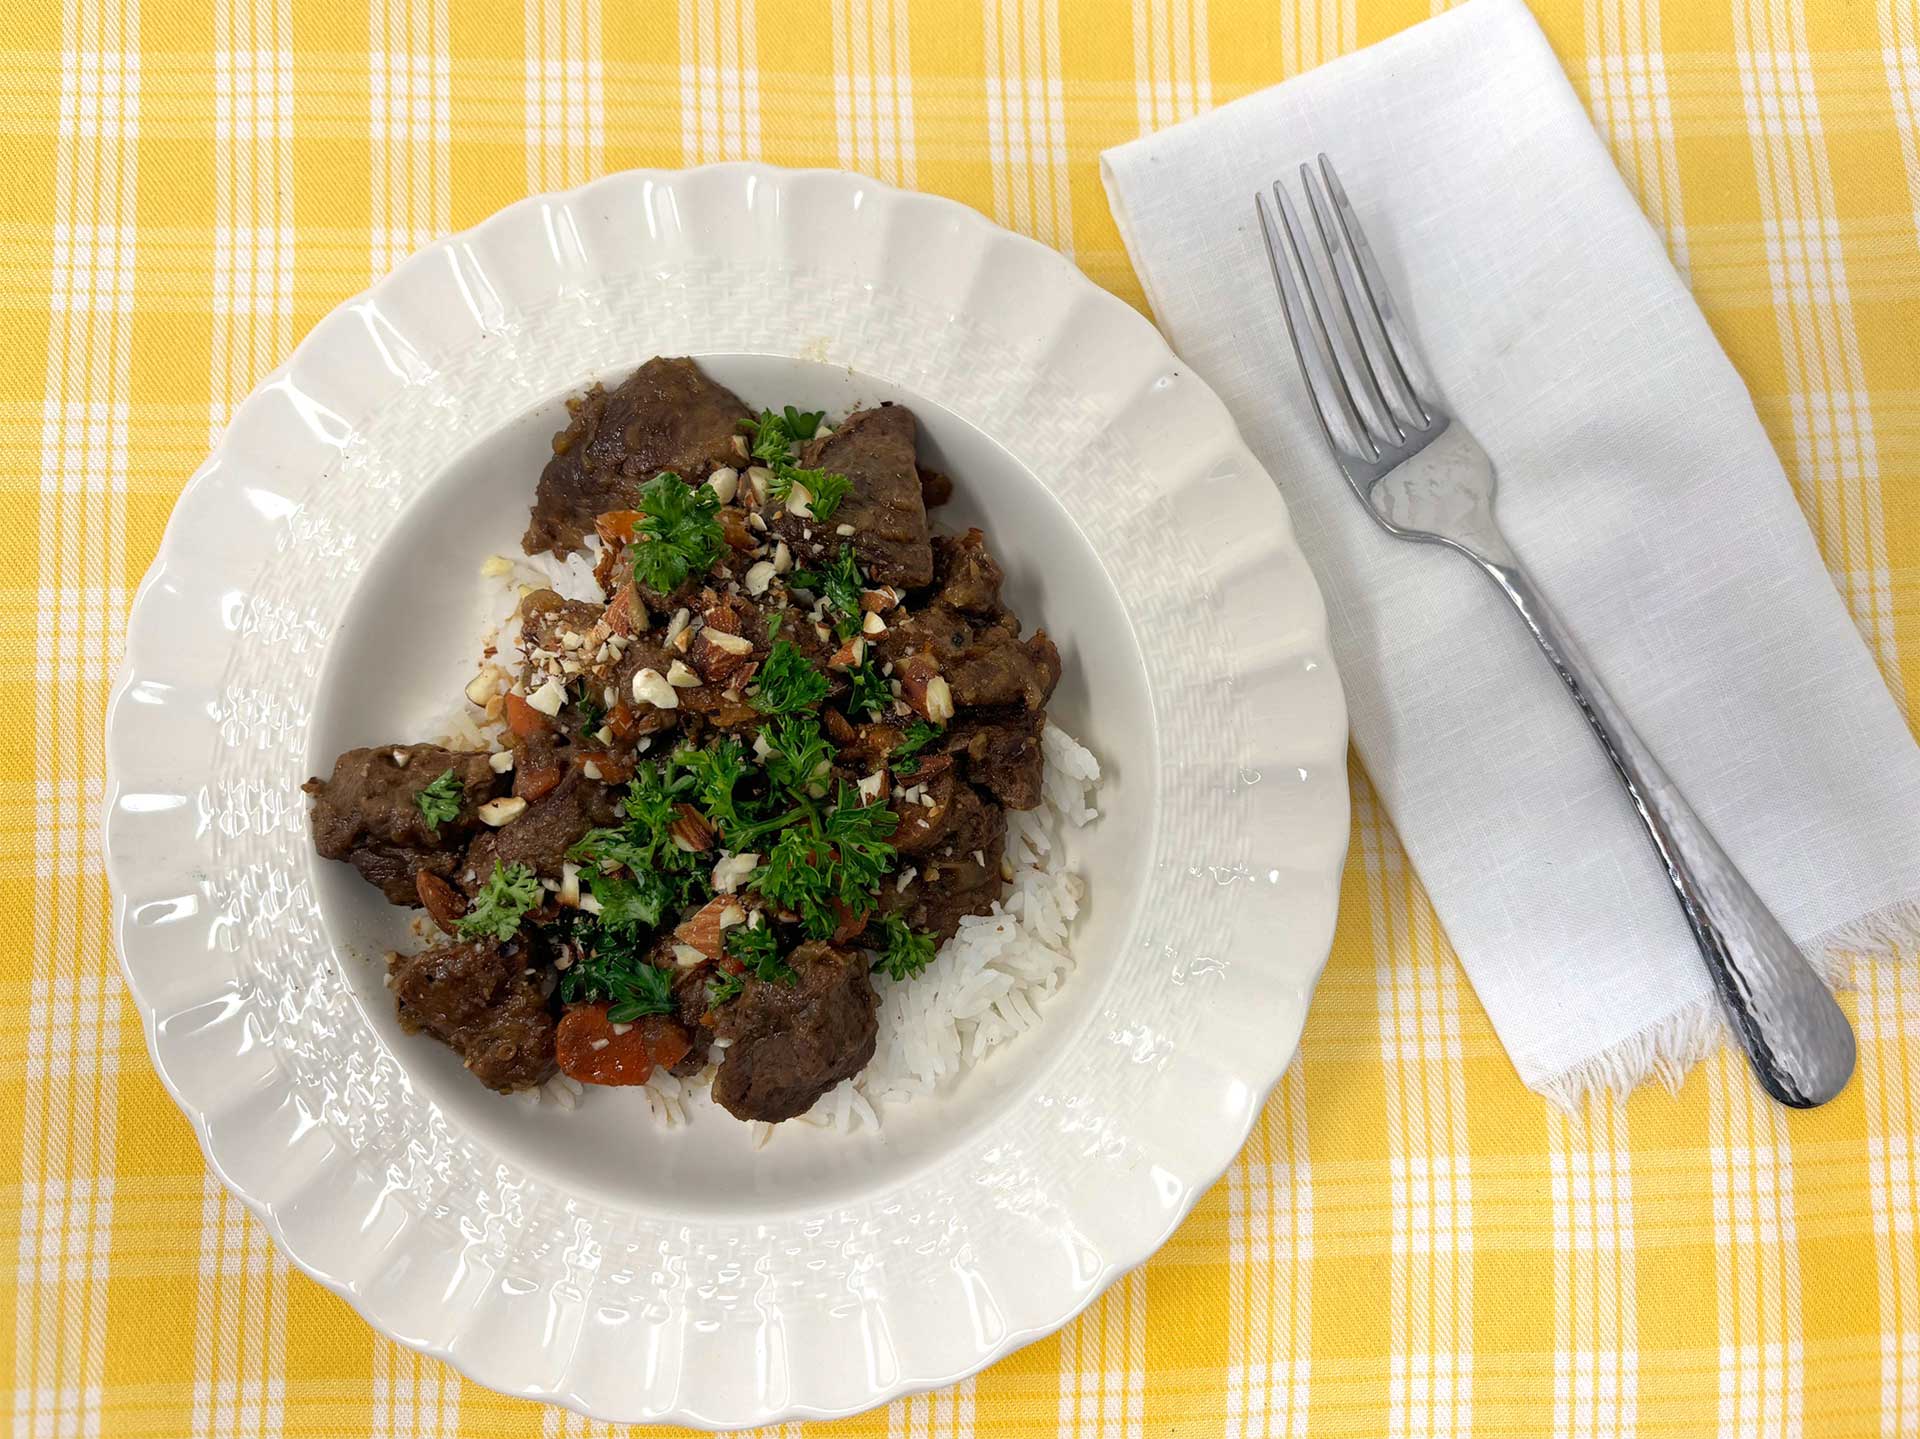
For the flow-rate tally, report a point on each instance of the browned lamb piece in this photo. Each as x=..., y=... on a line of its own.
x=667, y=415
x=480, y=999
x=884, y=509
x=368, y=812
x=788, y=1044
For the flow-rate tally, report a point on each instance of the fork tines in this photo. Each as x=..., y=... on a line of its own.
x=1360, y=365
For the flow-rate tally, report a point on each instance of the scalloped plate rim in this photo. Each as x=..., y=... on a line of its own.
x=167, y=562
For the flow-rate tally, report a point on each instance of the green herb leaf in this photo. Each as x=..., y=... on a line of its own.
x=759, y=950
x=592, y=713
x=440, y=801
x=630, y=903
x=906, y=951
x=906, y=755
x=788, y=682
x=798, y=755
x=870, y=693
x=797, y=877
x=825, y=488
x=723, y=988
x=714, y=772
x=617, y=973
x=858, y=833
x=510, y=891
x=839, y=583
x=678, y=534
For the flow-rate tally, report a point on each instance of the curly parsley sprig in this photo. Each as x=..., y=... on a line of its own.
x=440, y=801
x=905, y=952
x=678, y=534
x=504, y=900
x=774, y=439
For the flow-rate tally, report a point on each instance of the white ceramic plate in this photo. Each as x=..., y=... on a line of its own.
x=317, y=588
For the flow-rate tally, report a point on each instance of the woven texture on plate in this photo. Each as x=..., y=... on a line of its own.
x=1411, y=1243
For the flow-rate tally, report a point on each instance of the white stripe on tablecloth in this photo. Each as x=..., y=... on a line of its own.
x=566, y=121
x=719, y=81
x=410, y=126
x=1835, y=463
x=1596, y=1333
x=69, y=1100
x=1430, y=1367
x=1026, y=120
x=1627, y=92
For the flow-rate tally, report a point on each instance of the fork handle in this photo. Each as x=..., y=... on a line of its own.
x=1795, y=1035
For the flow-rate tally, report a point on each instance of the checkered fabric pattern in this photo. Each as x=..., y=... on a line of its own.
x=1411, y=1243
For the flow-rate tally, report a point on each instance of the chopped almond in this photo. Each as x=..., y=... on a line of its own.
x=690, y=831
x=704, y=928
x=440, y=899
x=626, y=613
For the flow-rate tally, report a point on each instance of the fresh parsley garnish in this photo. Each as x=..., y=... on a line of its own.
x=906, y=952
x=723, y=988
x=798, y=755
x=759, y=950
x=592, y=713
x=829, y=867
x=839, y=583
x=631, y=904
x=618, y=974
x=796, y=877
x=825, y=488
x=678, y=534
x=665, y=877
x=715, y=772
x=906, y=754
x=870, y=693
x=510, y=891
x=774, y=437
x=858, y=832
x=788, y=682
x=440, y=802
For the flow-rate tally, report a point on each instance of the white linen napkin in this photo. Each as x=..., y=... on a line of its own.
x=1638, y=485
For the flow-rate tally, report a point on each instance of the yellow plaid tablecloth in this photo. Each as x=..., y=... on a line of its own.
x=1411, y=1243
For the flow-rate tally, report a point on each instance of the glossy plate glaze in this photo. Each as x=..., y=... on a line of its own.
x=317, y=588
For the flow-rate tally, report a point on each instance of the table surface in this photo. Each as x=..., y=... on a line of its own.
x=1411, y=1242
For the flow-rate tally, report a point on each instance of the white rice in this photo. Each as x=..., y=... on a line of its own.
x=984, y=987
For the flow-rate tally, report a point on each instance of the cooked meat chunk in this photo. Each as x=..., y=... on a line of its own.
x=966, y=575
x=373, y=797
x=667, y=415
x=395, y=871
x=1002, y=755
x=935, y=488
x=926, y=803
x=480, y=1000
x=874, y=449
x=948, y=887
x=788, y=1044
x=999, y=668
x=368, y=813
x=544, y=832
x=986, y=667
x=690, y=1005
x=545, y=617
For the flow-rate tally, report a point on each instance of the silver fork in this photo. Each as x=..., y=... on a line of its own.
x=1423, y=477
